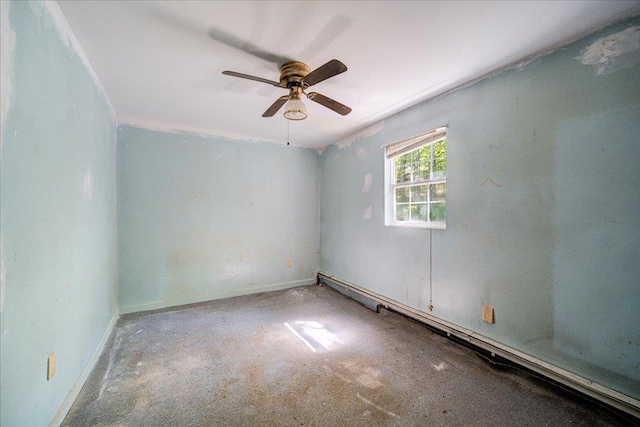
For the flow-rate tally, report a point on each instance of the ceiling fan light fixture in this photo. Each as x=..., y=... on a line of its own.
x=295, y=109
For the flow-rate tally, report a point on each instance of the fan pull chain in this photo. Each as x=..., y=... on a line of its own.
x=288, y=132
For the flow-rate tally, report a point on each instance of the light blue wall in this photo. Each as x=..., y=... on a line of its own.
x=58, y=216
x=552, y=241
x=202, y=217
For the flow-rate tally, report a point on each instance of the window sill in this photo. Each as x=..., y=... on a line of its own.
x=433, y=225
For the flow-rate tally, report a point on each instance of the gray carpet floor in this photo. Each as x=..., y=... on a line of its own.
x=307, y=356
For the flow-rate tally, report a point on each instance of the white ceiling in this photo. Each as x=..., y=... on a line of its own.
x=161, y=61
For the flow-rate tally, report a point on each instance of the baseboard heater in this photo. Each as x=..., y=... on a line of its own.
x=372, y=300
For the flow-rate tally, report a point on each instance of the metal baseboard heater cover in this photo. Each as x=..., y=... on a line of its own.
x=598, y=391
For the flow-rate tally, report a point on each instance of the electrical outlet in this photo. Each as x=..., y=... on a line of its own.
x=289, y=263
x=51, y=365
x=487, y=314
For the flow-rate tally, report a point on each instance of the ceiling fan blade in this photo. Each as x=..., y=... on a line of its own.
x=248, y=77
x=330, y=69
x=329, y=103
x=237, y=43
x=276, y=106
x=188, y=27
x=331, y=31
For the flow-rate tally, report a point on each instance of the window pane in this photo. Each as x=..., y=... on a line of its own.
x=406, y=175
x=419, y=193
x=440, y=148
x=422, y=163
x=439, y=158
x=402, y=195
x=439, y=167
x=415, y=157
x=438, y=212
x=402, y=212
x=419, y=212
x=438, y=192
x=403, y=165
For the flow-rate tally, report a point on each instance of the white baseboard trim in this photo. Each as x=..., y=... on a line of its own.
x=75, y=390
x=174, y=302
x=598, y=391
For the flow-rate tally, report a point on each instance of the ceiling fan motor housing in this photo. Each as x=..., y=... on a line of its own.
x=293, y=73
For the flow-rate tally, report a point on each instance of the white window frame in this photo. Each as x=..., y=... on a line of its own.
x=400, y=148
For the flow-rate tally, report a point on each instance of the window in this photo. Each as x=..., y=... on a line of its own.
x=416, y=182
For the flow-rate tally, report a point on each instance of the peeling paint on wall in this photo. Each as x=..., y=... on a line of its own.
x=188, y=253
x=484, y=181
x=577, y=233
x=3, y=276
x=7, y=43
x=614, y=52
x=366, y=132
x=59, y=212
x=87, y=185
x=520, y=65
x=178, y=130
x=367, y=214
x=50, y=9
x=368, y=181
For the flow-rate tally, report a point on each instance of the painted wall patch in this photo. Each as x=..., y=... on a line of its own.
x=613, y=52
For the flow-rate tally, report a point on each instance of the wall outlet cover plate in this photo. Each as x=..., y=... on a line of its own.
x=51, y=365
x=487, y=314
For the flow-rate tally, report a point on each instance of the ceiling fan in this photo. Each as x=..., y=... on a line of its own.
x=296, y=77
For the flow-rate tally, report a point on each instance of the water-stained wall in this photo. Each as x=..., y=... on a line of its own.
x=203, y=217
x=543, y=209
x=58, y=212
